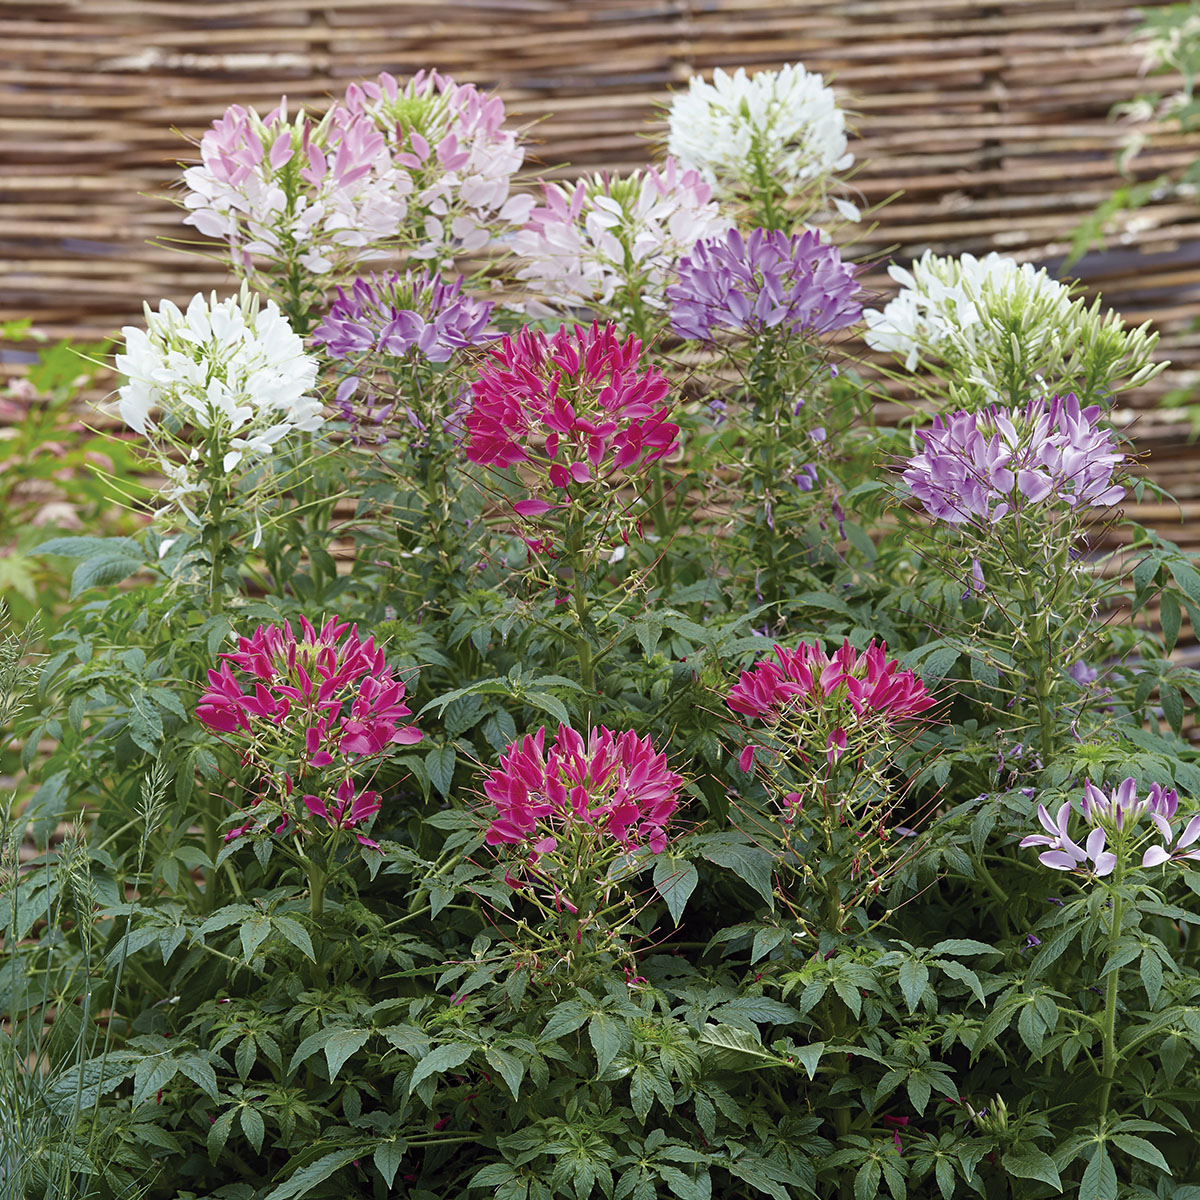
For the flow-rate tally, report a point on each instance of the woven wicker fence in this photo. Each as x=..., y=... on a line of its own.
x=992, y=119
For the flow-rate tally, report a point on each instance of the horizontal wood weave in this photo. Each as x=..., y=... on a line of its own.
x=991, y=118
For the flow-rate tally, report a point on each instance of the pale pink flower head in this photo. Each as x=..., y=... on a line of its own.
x=573, y=411
x=300, y=193
x=611, y=243
x=870, y=684
x=450, y=140
x=613, y=787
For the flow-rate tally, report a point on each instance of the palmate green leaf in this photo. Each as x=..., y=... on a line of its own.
x=295, y=933
x=152, y=1074
x=254, y=1127
x=748, y=862
x=509, y=1067
x=255, y=930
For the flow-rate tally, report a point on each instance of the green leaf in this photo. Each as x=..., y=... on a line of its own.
x=914, y=977
x=439, y=762
x=253, y=1127
x=200, y=1072
x=254, y=932
x=98, y=572
x=1100, y=1178
x=340, y=1044
x=388, y=1157
x=307, y=1178
x=675, y=880
x=961, y=946
x=550, y=704
x=509, y=1066
x=749, y=863
x=296, y=934
x=444, y=1058
x=151, y=1075
x=606, y=1039
x=809, y=1056
x=1172, y=618
x=1140, y=1148
x=937, y=665
x=1028, y=1162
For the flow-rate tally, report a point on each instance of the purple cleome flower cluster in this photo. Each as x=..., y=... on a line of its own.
x=397, y=315
x=765, y=281
x=978, y=467
x=1113, y=815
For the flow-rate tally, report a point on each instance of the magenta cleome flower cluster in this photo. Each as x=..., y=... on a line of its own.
x=572, y=411
x=322, y=701
x=871, y=684
x=612, y=789
x=978, y=468
x=765, y=282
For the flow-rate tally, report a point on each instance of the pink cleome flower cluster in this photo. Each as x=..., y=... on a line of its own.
x=320, y=701
x=428, y=164
x=613, y=786
x=872, y=684
x=572, y=410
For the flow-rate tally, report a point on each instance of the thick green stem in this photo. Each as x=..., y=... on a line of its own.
x=579, y=603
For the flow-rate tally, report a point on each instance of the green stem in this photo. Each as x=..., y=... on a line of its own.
x=1109, y=1028
x=317, y=879
x=583, y=646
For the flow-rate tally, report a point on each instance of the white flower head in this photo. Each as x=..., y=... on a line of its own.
x=232, y=371
x=742, y=131
x=1001, y=326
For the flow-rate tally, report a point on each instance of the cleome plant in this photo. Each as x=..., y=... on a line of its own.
x=545, y=739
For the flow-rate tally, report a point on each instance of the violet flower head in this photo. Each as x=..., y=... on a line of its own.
x=417, y=314
x=768, y=281
x=1063, y=853
x=1121, y=809
x=979, y=467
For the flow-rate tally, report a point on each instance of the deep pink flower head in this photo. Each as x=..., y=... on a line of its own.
x=313, y=705
x=979, y=467
x=872, y=684
x=573, y=409
x=768, y=280
x=613, y=786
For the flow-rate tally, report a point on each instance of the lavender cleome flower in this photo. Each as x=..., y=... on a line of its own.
x=1122, y=807
x=806, y=478
x=978, y=467
x=1064, y=854
x=1082, y=673
x=766, y=281
x=396, y=315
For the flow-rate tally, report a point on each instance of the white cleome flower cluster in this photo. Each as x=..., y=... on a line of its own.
x=950, y=302
x=233, y=371
x=741, y=130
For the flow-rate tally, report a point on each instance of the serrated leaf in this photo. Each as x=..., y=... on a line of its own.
x=675, y=880
x=388, y=1158
x=200, y=1072
x=509, y=1066
x=340, y=1045
x=749, y=863
x=438, y=1061
x=914, y=976
x=1140, y=1148
x=439, y=763
x=296, y=934
x=1028, y=1162
x=100, y=571
x=255, y=930
x=151, y=1075
x=253, y=1127
x=1100, y=1179
x=606, y=1039
x=304, y=1180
